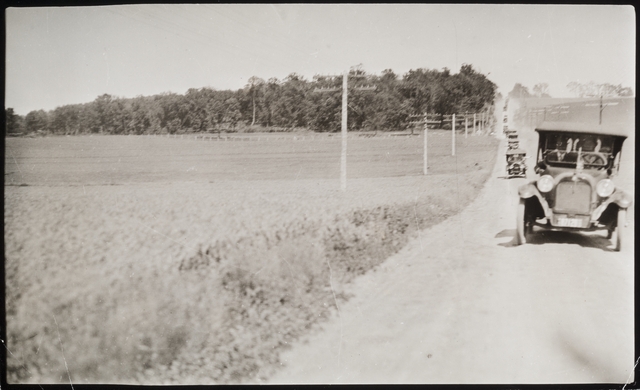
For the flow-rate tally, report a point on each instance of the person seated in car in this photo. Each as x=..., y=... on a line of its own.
x=569, y=154
x=588, y=144
x=554, y=155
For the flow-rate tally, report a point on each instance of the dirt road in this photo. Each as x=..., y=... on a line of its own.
x=461, y=304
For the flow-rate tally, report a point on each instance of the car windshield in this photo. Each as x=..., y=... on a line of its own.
x=514, y=158
x=563, y=149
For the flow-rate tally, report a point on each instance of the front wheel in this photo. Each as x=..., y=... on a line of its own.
x=520, y=224
x=616, y=239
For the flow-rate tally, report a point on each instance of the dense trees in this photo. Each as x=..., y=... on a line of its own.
x=12, y=122
x=541, y=90
x=276, y=104
x=591, y=89
x=519, y=91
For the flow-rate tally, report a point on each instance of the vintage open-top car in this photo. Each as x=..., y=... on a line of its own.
x=512, y=141
x=577, y=163
x=516, y=166
x=508, y=131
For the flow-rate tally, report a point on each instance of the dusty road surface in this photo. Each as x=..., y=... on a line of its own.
x=461, y=304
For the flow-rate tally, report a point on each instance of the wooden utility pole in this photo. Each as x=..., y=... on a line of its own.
x=426, y=126
x=425, y=122
x=343, y=158
x=465, y=125
x=453, y=135
x=475, y=131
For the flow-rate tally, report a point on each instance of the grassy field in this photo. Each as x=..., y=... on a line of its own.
x=163, y=260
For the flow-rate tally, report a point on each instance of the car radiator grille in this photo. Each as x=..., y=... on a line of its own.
x=573, y=196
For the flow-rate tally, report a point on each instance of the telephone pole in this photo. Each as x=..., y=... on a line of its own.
x=343, y=158
x=465, y=125
x=475, y=131
x=425, y=123
x=453, y=135
x=345, y=88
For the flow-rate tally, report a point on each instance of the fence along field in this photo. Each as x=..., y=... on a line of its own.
x=142, y=159
x=166, y=260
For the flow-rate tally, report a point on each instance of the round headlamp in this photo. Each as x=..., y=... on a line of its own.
x=545, y=183
x=605, y=188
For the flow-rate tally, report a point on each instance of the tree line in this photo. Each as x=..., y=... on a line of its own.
x=540, y=90
x=590, y=89
x=272, y=105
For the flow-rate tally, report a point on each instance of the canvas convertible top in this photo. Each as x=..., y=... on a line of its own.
x=617, y=130
x=515, y=151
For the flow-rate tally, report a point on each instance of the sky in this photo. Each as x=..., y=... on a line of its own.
x=67, y=55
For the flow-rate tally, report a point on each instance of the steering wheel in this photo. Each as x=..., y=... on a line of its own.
x=593, y=158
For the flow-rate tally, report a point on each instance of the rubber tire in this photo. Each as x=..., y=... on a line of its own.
x=528, y=228
x=521, y=237
x=616, y=240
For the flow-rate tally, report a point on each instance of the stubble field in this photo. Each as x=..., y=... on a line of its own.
x=164, y=260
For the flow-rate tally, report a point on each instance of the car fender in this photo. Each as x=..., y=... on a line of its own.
x=530, y=190
x=621, y=198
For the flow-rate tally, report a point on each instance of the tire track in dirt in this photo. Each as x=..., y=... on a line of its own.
x=461, y=304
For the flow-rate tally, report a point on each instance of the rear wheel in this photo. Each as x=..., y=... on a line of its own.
x=616, y=239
